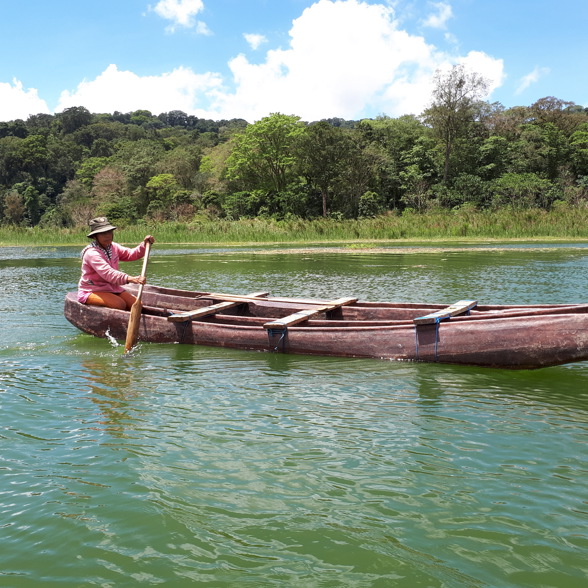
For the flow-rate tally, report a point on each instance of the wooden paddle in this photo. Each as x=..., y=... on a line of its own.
x=134, y=319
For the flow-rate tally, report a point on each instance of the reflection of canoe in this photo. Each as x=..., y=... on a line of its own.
x=497, y=336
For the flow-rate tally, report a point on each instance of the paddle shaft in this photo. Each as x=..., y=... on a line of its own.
x=135, y=317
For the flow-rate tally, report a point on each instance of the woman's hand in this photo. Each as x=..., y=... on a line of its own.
x=150, y=239
x=137, y=280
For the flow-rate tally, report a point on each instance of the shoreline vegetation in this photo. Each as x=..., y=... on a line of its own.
x=565, y=223
x=464, y=170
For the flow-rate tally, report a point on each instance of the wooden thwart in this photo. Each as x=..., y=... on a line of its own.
x=303, y=315
x=250, y=298
x=213, y=308
x=446, y=313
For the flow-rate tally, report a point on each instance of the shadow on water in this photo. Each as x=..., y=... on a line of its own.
x=564, y=386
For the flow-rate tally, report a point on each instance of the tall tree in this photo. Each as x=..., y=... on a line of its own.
x=262, y=156
x=454, y=108
x=323, y=151
x=74, y=118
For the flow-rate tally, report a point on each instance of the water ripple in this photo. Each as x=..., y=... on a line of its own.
x=186, y=465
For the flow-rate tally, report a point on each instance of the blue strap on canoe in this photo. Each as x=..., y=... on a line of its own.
x=463, y=307
x=273, y=332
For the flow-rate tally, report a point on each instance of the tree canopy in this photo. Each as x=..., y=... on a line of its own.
x=60, y=170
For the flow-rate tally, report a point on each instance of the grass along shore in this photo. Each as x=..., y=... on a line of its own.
x=565, y=223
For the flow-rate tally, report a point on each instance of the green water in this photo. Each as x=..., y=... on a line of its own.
x=189, y=466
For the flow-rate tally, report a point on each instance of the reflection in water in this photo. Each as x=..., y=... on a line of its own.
x=112, y=388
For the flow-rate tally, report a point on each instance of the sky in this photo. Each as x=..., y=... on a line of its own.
x=316, y=59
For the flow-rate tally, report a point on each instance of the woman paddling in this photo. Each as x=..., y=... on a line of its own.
x=102, y=282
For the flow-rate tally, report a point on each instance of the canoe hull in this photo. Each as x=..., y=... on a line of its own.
x=525, y=340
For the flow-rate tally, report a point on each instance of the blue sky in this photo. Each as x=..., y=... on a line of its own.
x=315, y=59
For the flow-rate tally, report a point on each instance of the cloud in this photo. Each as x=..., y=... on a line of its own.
x=125, y=91
x=255, y=41
x=182, y=13
x=488, y=67
x=531, y=78
x=439, y=19
x=20, y=103
x=345, y=58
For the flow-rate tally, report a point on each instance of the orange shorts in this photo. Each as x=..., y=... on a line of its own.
x=122, y=301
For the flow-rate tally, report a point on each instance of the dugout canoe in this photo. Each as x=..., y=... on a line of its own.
x=515, y=337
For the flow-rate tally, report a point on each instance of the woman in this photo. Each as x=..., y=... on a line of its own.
x=101, y=282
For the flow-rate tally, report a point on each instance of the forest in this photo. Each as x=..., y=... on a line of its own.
x=461, y=152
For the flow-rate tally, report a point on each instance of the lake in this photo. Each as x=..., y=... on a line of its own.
x=184, y=465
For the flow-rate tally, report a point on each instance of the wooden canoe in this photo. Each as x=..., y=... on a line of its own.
x=516, y=337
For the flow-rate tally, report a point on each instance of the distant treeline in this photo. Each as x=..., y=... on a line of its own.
x=60, y=170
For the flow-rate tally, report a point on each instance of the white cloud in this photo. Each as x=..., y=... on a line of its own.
x=488, y=67
x=181, y=13
x=438, y=20
x=255, y=41
x=343, y=56
x=531, y=78
x=346, y=58
x=20, y=103
x=125, y=91
x=202, y=28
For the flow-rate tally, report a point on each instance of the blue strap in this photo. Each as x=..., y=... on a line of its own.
x=273, y=332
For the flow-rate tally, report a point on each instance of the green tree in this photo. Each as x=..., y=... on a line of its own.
x=541, y=149
x=371, y=204
x=138, y=160
x=494, y=157
x=455, y=106
x=161, y=190
x=10, y=161
x=75, y=204
x=396, y=138
x=262, y=157
x=184, y=163
x=14, y=208
x=33, y=204
x=88, y=169
x=579, y=151
x=72, y=119
x=323, y=152
x=522, y=191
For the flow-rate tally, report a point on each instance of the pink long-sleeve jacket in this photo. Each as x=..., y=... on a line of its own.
x=100, y=271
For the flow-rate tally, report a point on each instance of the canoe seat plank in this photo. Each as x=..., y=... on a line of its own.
x=303, y=315
x=212, y=309
x=249, y=298
x=446, y=313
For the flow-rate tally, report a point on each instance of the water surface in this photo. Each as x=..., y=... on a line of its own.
x=181, y=465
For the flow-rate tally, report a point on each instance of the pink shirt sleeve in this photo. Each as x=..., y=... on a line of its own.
x=127, y=254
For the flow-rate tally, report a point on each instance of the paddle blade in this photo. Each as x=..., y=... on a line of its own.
x=133, y=330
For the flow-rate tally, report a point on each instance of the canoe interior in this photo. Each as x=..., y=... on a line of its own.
x=161, y=301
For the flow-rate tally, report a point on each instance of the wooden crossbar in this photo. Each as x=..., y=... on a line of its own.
x=446, y=313
x=303, y=315
x=212, y=309
x=249, y=298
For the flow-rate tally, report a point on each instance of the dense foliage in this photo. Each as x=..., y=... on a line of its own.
x=59, y=170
